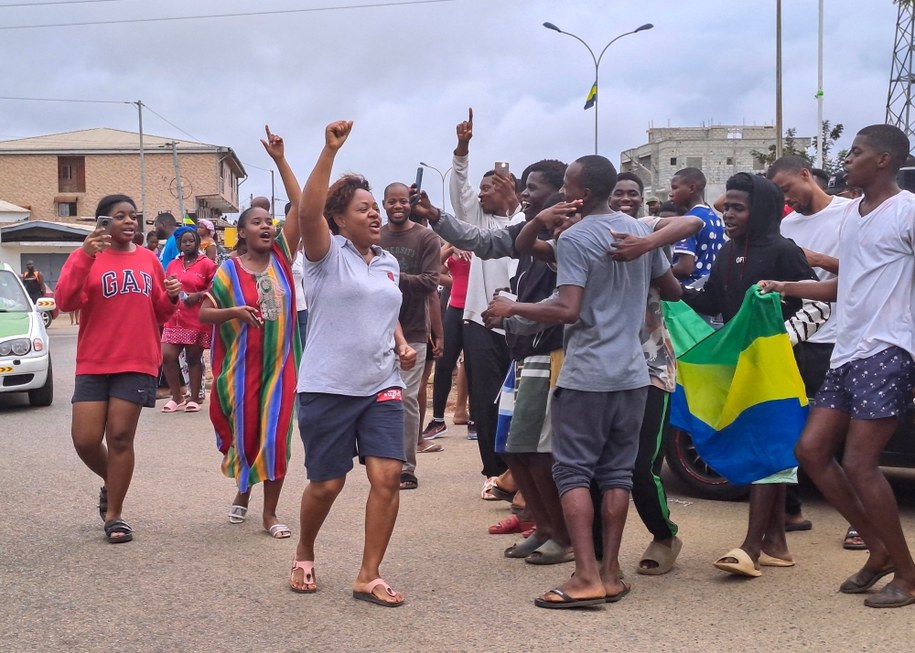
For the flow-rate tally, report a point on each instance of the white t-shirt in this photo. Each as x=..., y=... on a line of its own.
x=876, y=280
x=298, y=276
x=819, y=232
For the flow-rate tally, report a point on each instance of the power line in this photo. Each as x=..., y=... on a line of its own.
x=48, y=99
x=57, y=2
x=156, y=113
x=233, y=15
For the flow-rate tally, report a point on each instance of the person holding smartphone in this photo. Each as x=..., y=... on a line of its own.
x=119, y=288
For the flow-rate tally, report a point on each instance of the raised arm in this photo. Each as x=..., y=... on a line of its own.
x=464, y=197
x=276, y=148
x=314, y=229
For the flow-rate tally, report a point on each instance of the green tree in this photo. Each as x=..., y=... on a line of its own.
x=829, y=133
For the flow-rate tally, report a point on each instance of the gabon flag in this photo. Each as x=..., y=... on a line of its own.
x=592, y=96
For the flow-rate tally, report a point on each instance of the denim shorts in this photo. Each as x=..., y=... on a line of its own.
x=875, y=387
x=135, y=387
x=337, y=428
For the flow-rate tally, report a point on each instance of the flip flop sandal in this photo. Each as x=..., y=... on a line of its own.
x=309, y=578
x=408, y=481
x=237, y=514
x=567, y=601
x=279, y=531
x=510, y=525
x=503, y=495
x=192, y=407
x=172, y=406
x=523, y=549
x=613, y=598
x=771, y=561
x=370, y=597
x=663, y=556
x=863, y=580
x=103, y=502
x=804, y=525
x=742, y=567
x=550, y=553
x=117, y=527
x=891, y=596
x=432, y=447
x=854, y=541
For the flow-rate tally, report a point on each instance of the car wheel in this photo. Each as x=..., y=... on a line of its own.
x=44, y=395
x=46, y=318
x=689, y=468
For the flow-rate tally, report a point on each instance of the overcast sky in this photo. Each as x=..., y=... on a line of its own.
x=406, y=75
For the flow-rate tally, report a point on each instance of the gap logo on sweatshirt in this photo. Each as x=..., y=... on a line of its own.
x=128, y=283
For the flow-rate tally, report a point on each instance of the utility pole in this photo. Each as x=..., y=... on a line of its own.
x=139, y=104
x=779, y=145
x=179, y=190
x=820, y=135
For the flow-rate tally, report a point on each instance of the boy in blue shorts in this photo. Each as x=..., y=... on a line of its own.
x=871, y=373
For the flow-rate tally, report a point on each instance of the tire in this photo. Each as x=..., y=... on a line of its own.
x=701, y=480
x=46, y=317
x=44, y=395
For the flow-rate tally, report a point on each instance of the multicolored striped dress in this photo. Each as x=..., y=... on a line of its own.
x=254, y=369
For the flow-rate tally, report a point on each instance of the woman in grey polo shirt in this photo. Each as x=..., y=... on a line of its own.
x=349, y=381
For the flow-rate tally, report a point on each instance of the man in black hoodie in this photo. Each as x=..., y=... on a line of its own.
x=756, y=250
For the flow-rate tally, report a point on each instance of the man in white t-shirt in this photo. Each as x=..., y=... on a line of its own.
x=871, y=375
x=814, y=225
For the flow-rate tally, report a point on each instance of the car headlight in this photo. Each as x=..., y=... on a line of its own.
x=17, y=347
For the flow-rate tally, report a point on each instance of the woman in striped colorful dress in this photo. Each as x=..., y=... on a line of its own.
x=255, y=353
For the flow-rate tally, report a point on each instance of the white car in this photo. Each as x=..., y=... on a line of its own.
x=25, y=349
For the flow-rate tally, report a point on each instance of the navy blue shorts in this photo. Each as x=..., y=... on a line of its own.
x=135, y=387
x=337, y=428
x=876, y=387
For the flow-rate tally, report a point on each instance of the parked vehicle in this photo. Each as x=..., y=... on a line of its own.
x=704, y=482
x=25, y=348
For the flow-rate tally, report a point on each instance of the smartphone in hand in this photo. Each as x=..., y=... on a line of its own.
x=104, y=222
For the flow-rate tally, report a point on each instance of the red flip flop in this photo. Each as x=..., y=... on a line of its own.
x=509, y=525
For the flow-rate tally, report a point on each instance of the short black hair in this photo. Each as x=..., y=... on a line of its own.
x=108, y=201
x=150, y=235
x=551, y=169
x=598, y=175
x=166, y=219
x=889, y=139
x=490, y=173
x=791, y=163
x=741, y=181
x=821, y=174
x=668, y=207
x=693, y=176
x=393, y=184
x=631, y=176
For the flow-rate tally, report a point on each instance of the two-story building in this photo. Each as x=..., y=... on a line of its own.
x=61, y=176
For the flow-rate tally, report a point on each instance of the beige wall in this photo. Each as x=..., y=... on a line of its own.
x=31, y=180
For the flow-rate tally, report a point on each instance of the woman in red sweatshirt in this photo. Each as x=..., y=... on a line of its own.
x=120, y=289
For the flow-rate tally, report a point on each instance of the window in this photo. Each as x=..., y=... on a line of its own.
x=694, y=162
x=730, y=161
x=673, y=160
x=71, y=174
x=66, y=209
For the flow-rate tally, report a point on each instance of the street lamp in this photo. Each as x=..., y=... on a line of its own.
x=440, y=174
x=597, y=60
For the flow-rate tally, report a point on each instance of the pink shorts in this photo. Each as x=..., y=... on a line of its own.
x=181, y=336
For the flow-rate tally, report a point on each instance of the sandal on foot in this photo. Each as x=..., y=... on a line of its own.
x=566, y=601
x=550, y=553
x=662, y=556
x=192, y=407
x=523, y=549
x=509, y=525
x=103, y=502
x=308, y=578
x=891, y=596
x=172, y=406
x=863, y=580
x=430, y=447
x=279, y=531
x=803, y=525
x=408, y=481
x=237, y=513
x=613, y=598
x=742, y=565
x=117, y=531
x=771, y=561
x=502, y=495
x=369, y=594
x=853, y=541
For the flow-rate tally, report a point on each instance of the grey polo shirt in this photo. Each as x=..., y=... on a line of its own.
x=352, y=312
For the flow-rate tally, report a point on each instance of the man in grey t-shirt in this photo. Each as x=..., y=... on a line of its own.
x=599, y=400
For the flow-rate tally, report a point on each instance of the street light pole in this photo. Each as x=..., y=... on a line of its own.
x=597, y=59
x=442, y=175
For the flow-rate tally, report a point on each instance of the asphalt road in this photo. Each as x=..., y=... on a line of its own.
x=190, y=581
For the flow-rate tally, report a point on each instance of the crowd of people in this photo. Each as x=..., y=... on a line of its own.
x=547, y=292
